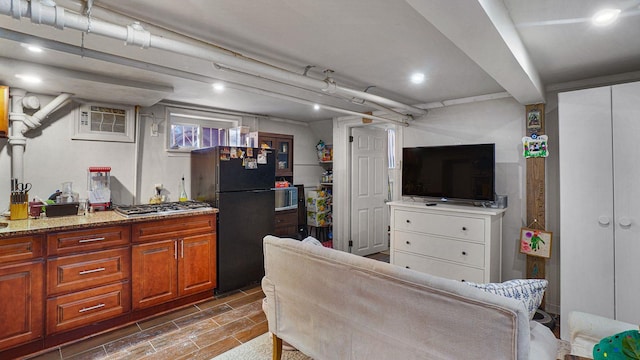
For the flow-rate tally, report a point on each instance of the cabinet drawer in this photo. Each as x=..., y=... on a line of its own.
x=173, y=228
x=86, y=240
x=67, y=312
x=448, y=249
x=79, y=272
x=460, y=227
x=21, y=248
x=438, y=268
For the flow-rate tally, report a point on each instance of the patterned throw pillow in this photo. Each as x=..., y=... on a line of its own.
x=529, y=291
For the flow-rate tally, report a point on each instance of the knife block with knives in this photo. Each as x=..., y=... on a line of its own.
x=19, y=204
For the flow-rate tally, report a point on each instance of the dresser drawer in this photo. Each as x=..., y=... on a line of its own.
x=21, y=248
x=461, y=227
x=468, y=253
x=173, y=228
x=71, y=311
x=438, y=268
x=68, y=242
x=79, y=272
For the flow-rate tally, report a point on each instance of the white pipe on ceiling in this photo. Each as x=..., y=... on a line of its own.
x=135, y=34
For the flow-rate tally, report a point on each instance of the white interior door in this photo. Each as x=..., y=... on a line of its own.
x=369, y=190
x=626, y=130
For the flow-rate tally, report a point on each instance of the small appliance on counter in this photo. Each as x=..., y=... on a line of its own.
x=99, y=187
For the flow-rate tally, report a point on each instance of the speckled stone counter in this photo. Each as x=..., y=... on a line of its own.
x=99, y=218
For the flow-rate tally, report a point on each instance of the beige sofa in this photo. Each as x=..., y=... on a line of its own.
x=334, y=305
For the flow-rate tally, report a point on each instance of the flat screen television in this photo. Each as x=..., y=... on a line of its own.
x=457, y=172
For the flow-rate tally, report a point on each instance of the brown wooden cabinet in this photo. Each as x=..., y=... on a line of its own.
x=283, y=147
x=22, y=289
x=88, y=277
x=173, y=258
x=286, y=223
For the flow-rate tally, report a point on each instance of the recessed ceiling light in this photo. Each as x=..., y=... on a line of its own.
x=605, y=17
x=218, y=86
x=316, y=107
x=417, y=78
x=29, y=78
x=32, y=48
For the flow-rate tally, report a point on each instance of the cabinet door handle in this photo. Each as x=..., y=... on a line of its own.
x=182, y=248
x=91, y=308
x=464, y=228
x=464, y=253
x=84, y=272
x=407, y=267
x=625, y=221
x=91, y=240
x=408, y=242
x=175, y=249
x=408, y=221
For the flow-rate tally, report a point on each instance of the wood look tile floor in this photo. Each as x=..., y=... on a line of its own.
x=200, y=331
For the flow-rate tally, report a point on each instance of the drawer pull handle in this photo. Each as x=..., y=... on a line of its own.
x=408, y=242
x=407, y=267
x=464, y=253
x=84, y=272
x=91, y=240
x=408, y=221
x=91, y=308
x=464, y=228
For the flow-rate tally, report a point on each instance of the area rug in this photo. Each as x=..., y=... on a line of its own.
x=260, y=349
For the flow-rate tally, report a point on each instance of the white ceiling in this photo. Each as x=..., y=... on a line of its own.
x=465, y=48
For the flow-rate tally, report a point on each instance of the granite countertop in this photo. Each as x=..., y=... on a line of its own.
x=96, y=219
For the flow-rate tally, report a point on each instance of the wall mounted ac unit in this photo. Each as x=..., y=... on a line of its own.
x=104, y=122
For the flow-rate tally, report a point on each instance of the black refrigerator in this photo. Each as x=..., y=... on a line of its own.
x=238, y=182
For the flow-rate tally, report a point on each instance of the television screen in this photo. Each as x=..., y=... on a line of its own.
x=465, y=172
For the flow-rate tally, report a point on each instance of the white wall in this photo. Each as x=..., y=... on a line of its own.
x=501, y=122
x=51, y=157
x=498, y=121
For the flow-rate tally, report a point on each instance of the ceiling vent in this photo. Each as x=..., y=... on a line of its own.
x=104, y=122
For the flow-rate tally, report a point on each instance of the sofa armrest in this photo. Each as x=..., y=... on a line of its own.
x=586, y=330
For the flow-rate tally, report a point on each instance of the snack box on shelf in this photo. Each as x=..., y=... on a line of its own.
x=318, y=219
x=318, y=204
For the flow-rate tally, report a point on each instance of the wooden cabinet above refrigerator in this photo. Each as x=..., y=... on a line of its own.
x=283, y=146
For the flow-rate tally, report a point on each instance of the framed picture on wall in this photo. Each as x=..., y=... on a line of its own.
x=535, y=242
x=534, y=121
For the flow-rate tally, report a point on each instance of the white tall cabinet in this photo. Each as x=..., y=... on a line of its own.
x=599, y=145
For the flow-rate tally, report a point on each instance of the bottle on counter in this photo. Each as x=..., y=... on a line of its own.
x=183, y=192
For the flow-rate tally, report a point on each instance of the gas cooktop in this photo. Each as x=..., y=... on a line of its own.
x=161, y=209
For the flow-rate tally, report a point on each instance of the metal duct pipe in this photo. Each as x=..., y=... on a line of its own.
x=21, y=123
x=35, y=120
x=136, y=35
x=17, y=141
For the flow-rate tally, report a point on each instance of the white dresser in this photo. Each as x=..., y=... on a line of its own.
x=459, y=242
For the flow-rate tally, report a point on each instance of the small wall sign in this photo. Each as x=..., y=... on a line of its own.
x=535, y=242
